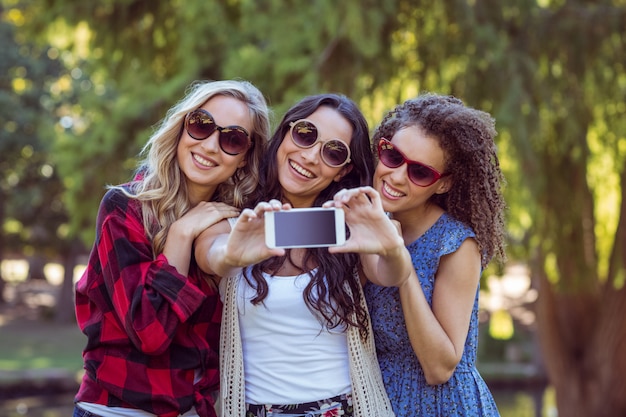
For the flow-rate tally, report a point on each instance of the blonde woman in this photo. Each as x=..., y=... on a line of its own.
x=151, y=316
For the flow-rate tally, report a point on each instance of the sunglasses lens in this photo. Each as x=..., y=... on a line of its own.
x=421, y=175
x=233, y=140
x=200, y=124
x=418, y=173
x=335, y=153
x=304, y=134
x=389, y=156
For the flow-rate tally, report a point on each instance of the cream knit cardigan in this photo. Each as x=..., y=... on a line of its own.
x=368, y=391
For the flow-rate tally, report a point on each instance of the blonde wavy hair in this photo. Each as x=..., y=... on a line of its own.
x=159, y=184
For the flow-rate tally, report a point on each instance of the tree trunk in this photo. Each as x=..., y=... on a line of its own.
x=64, y=312
x=583, y=333
x=2, y=285
x=584, y=347
x=2, y=245
x=36, y=264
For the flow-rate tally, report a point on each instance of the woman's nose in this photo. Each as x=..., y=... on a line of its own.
x=211, y=143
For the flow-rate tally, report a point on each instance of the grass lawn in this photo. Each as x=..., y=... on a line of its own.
x=40, y=362
x=30, y=339
x=27, y=344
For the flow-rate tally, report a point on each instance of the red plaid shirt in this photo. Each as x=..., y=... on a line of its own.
x=149, y=328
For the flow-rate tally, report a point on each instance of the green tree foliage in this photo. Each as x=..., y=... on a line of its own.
x=553, y=74
x=128, y=61
x=32, y=213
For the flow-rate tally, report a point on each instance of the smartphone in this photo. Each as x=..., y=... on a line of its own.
x=305, y=228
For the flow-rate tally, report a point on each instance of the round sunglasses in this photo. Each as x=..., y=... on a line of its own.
x=419, y=174
x=233, y=140
x=335, y=152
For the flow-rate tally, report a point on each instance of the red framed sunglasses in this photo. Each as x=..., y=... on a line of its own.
x=233, y=140
x=419, y=174
x=335, y=152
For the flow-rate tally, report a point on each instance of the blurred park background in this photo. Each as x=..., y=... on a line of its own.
x=82, y=83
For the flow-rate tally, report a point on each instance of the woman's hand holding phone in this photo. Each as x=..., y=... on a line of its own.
x=385, y=259
x=371, y=230
x=246, y=242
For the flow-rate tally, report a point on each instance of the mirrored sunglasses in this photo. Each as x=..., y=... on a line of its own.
x=233, y=140
x=335, y=152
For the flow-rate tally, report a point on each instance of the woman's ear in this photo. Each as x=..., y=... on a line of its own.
x=344, y=171
x=445, y=184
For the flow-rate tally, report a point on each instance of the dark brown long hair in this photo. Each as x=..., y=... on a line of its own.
x=333, y=294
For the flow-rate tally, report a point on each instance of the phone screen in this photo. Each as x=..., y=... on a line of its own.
x=304, y=228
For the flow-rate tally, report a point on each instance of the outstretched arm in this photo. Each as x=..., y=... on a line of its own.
x=222, y=251
x=374, y=236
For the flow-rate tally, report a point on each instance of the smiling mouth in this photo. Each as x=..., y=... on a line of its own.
x=202, y=161
x=391, y=191
x=301, y=170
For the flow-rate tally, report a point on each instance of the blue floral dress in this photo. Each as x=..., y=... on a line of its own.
x=466, y=393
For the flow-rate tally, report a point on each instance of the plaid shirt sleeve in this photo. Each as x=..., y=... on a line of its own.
x=148, y=297
x=152, y=333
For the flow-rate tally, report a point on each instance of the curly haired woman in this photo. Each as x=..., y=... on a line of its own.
x=438, y=178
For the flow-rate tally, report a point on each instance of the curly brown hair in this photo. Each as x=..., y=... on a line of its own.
x=466, y=136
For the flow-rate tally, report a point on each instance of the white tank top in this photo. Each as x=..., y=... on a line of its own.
x=288, y=356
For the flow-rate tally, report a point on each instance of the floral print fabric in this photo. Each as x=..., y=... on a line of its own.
x=340, y=405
